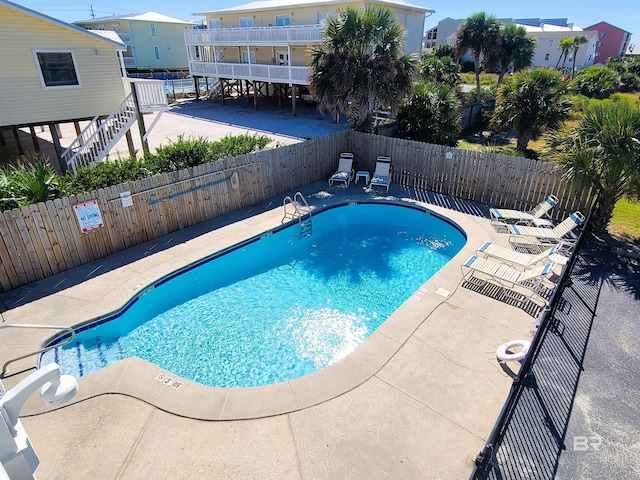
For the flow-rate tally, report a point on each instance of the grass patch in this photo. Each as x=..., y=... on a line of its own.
x=625, y=222
x=485, y=78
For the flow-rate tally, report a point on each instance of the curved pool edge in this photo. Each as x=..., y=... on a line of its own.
x=137, y=378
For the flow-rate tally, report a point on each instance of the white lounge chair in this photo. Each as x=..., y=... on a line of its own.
x=382, y=175
x=499, y=215
x=345, y=171
x=560, y=233
x=518, y=259
x=526, y=283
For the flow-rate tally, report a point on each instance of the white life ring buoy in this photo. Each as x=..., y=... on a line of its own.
x=504, y=352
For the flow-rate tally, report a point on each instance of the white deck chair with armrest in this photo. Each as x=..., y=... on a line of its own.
x=382, y=175
x=517, y=259
x=345, y=170
x=500, y=215
x=526, y=283
x=560, y=233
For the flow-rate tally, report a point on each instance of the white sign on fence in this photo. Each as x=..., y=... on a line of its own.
x=89, y=216
x=126, y=199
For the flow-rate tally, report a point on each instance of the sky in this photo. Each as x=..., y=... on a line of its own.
x=624, y=14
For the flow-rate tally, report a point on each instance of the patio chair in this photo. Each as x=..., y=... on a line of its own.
x=502, y=216
x=345, y=170
x=519, y=259
x=382, y=175
x=560, y=233
x=528, y=283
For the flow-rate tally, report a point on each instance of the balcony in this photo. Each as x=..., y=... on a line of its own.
x=245, y=71
x=269, y=36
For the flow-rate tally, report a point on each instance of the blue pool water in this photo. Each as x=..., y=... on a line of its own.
x=278, y=307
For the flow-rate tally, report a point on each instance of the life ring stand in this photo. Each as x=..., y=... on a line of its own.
x=504, y=355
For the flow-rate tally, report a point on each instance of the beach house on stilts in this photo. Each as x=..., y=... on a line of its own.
x=55, y=73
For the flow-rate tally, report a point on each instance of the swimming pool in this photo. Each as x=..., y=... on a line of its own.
x=277, y=306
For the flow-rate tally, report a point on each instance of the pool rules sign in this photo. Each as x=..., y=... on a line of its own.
x=89, y=216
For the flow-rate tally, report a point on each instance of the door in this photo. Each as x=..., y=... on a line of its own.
x=282, y=58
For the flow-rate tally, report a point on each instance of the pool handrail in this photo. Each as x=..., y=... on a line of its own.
x=66, y=339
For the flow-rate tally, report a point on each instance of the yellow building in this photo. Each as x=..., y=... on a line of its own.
x=155, y=42
x=264, y=45
x=54, y=73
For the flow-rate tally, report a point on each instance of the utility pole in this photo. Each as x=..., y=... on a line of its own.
x=93, y=15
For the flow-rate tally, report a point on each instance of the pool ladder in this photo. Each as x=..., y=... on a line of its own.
x=301, y=211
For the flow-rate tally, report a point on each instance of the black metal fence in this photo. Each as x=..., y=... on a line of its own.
x=529, y=434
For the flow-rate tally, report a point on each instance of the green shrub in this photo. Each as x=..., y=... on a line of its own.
x=629, y=82
x=596, y=82
x=107, y=173
x=183, y=153
x=431, y=115
x=30, y=180
x=439, y=70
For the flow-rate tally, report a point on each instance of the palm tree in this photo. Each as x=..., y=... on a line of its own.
x=565, y=44
x=530, y=102
x=439, y=70
x=602, y=151
x=577, y=41
x=431, y=115
x=514, y=48
x=478, y=33
x=358, y=67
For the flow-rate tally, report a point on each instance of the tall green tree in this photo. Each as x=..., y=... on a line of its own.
x=431, y=115
x=358, y=67
x=565, y=45
x=529, y=102
x=602, y=151
x=514, y=50
x=578, y=40
x=479, y=34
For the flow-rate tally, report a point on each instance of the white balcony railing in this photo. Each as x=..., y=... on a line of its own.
x=245, y=71
x=151, y=94
x=289, y=35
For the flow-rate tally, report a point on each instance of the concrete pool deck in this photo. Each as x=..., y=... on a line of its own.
x=416, y=400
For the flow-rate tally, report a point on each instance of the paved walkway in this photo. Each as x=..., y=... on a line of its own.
x=421, y=409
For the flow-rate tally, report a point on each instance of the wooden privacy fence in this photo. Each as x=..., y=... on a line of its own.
x=44, y=239
x=488, y=178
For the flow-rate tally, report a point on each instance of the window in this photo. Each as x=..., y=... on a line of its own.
x=153, y=29
x=550, y=43
x=597, y=54
x=57, y=68
x=599, y=44
x=215, y=23
x=156, y=51
x=251, y=56
x=283, y=20
x=324, y=15
x=603, y=34
x=546, y=57
x=246, y=22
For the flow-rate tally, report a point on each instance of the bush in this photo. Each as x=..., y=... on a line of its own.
x=629, y=82
x=196, y=151
x=108, y=173
x=439, y=70
x=445, y=50
x=30, y=180
x=596, y=82
x=432, y=115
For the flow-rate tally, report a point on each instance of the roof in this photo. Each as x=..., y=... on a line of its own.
x=545, y=27
x=278, y=4
x=141, y=17
x=110, y=35
x=593, y=27
x=60, y=23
